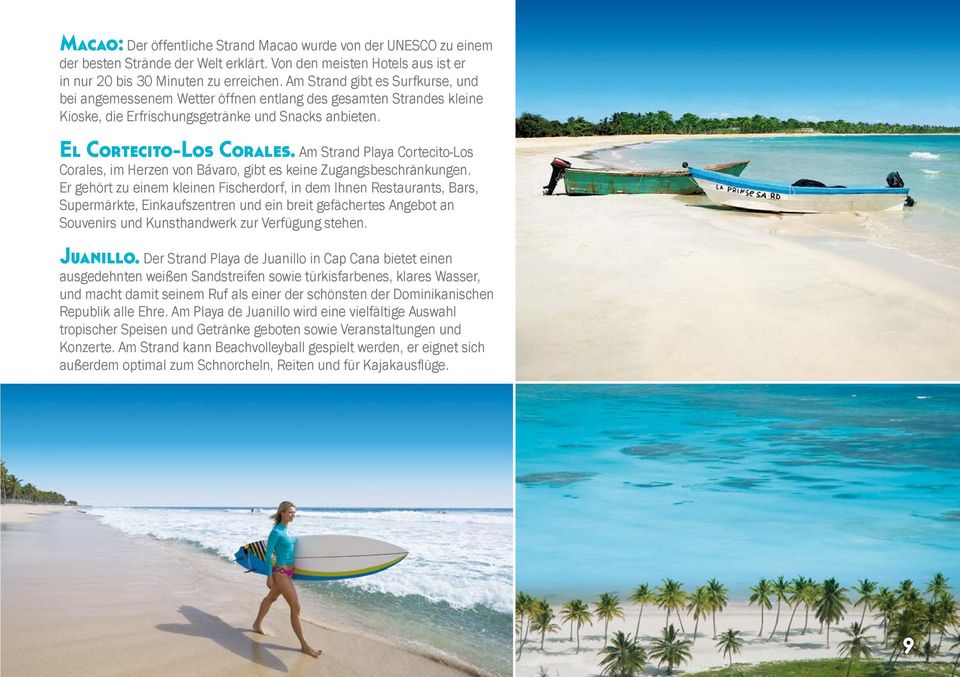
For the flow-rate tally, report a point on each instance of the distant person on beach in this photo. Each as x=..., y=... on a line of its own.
x=280, y=582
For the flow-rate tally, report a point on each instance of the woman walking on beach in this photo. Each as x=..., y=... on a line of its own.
x=280, y=582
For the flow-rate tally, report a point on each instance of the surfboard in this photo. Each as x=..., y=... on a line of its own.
x=327, y=557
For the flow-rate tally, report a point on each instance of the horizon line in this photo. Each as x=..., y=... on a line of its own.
x=954, y=125
x=303, y=507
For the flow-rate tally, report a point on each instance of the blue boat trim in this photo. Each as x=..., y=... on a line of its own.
x=740, y=182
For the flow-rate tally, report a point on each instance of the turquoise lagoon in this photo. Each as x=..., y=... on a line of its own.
x=929, y=165
x=620, y=484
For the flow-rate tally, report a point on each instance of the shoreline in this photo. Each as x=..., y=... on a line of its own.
x=18, y=513
x=673, y=291
x=560, y=658
x=109, y=619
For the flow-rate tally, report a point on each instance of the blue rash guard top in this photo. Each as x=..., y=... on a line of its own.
x=280, y=543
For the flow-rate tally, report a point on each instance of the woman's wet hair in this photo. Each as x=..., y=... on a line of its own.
x=278, y=515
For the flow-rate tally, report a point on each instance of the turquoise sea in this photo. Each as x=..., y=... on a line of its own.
x=621, y=484
x=929, y=165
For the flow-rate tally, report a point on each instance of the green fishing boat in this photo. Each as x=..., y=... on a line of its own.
x=580, y=181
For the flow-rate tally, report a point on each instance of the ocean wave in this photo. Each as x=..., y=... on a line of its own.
x=449, y=517
x=445, y=516
x=931, y=172
x=464, y=559
x=924, y=155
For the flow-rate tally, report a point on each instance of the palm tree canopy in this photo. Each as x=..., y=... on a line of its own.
x=670, y=649
x=622, y=657
x=670, y=595
x=718, y=594
x=938, y=586
x=781, y=588
x=700, y=605
x=609, y=607
x=857, y=647
x=542, y=620
x=642, y=594
x=865, y=590
x=830, y=607
x=730, y=642
x=576, y=611
x=760, y=593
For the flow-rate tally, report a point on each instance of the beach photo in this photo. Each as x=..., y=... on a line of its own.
x=760, y=193
x=775, y=530
x=257, y=530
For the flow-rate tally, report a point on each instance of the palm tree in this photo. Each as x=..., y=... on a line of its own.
x=928, y=651
x=623, y=657
x=543, y=622
x=670, y=649
x=525, y=605
x=781, y=588
x=811, y=597
x=608, y=608
x=907, y=621
x=522, y=606
x=730, y=643
x=907, y=590
x=670, y=596
x=947, y=615
x=699, y=606
x=14, y=487
x=866, y=590
x=857, y=646
x=830, y=607
x=885, y=602
x=937, y=587
x=718, y=600
x=576, y=612
x=565, y=615
x=641, y=595
x=955, y=644
x=760, y=595
x=797, y=586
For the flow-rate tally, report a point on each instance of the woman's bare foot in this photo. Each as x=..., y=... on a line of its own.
x=258, y=629
x=310, y=651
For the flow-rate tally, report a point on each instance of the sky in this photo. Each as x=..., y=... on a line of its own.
x=859, y=60
x=319, y=446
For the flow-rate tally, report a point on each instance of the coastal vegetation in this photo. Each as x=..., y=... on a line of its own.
x=663, y=122
x=12, y=488
x=930, y=616
x=822, y=668
x=607, y=609
x=730, y=644
x=622, y=657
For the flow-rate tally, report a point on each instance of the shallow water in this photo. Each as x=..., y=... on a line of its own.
x=929, y=165
x=452, y=595
x=619, y=485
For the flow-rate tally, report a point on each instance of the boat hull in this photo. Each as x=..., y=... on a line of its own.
x=771, y=197
x=611, y=182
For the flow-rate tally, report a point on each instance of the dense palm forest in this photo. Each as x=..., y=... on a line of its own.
x=13, y=488
x=662, y=122
x=887, y=617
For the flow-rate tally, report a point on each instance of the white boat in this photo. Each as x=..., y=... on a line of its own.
x=735, y=191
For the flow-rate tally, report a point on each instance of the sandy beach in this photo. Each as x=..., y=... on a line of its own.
x=560, y=658
x=15, y=513
x=81, y=598
x=657, y=288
